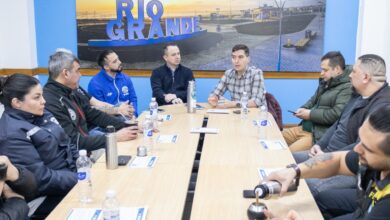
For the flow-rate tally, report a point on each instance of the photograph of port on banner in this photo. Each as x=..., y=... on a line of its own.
x=279, y=33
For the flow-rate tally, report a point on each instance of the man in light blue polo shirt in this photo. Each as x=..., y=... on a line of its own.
x=110, y=84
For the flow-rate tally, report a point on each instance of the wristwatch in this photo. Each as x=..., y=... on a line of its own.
x=238, y=105
x=298, y=172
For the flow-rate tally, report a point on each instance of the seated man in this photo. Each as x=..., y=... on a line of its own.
x=110, y=85
x=17, y=185
x=324, y=107
x=368, y=79
x=170, y=81
x=124, y=110
x=369, y=162
x=73, y=113
x=242, y=78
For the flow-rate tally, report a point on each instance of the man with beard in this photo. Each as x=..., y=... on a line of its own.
x=170, y=81
x=369, y=162
x=110, y=85
x=73, y=113
x=368, y=78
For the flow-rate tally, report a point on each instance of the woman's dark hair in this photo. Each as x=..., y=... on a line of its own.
x=15, y=86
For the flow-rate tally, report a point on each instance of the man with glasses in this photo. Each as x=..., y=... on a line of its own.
x=241, y=78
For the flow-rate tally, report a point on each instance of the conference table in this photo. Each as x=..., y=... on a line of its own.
x=228, y=164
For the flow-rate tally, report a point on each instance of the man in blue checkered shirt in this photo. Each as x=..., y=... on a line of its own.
x=240, y=78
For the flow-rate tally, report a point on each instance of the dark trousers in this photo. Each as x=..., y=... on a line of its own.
x=46, y=207
x=337, y=204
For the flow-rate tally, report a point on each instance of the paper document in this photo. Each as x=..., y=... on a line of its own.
x=127, y=213
x=205, y=130
x=218, y=111
x=199, y=107
x=166, y=139
x=273, y=144
x=262, y=122
x=165, y=117
x=264, y=172
x=143, y=162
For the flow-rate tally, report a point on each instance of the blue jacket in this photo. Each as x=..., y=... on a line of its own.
x=39, y=144
x=104, y=88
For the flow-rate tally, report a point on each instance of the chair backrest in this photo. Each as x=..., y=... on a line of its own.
x=275, y=109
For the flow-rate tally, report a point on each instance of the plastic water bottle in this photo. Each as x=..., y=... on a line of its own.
x=244, y=105
x=84, y=164
x=191, y=97
x=263, y=122
x=110, y=206
x=148, y=133
x=153, y=107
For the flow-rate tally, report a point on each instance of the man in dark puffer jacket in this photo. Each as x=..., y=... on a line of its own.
x=324, y=107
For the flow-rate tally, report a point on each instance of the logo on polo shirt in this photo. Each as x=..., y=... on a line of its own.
x=109, y=94
x=125, y=90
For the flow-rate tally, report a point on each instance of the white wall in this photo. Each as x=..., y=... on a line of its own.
x=374, y=30
x=17, y=27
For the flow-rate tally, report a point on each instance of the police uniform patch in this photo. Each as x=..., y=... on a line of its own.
x=80, y=91
x=125, y=90
x=54, y=120
x=72, y=114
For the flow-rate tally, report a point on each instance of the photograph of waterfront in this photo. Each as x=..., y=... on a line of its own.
x=283, y=35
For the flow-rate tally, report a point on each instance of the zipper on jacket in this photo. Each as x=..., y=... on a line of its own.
x=117, y=91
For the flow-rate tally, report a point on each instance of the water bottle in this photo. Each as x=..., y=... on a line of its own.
x=84, y=164
x=153, y=107
x=263, y=122
x=267, y=189
x=147, y=126
x=110, y=206
x=111, y=149
x=244, y=105
x=191, y=97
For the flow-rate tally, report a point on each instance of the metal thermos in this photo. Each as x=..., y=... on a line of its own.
x=269, y=188
x=191, y=97
x=111, y=149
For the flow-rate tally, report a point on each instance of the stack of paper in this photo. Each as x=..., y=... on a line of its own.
x=205, y=130
x=218, y=111
x=143, y=162
x=166, y=139
x=273, y=144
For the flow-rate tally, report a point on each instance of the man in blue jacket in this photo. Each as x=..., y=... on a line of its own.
x=170, y=81
x=110, y=85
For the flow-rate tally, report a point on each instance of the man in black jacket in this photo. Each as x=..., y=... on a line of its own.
x=170, y=81
x=17, y=185
x=73, y=113
x=368, y=79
